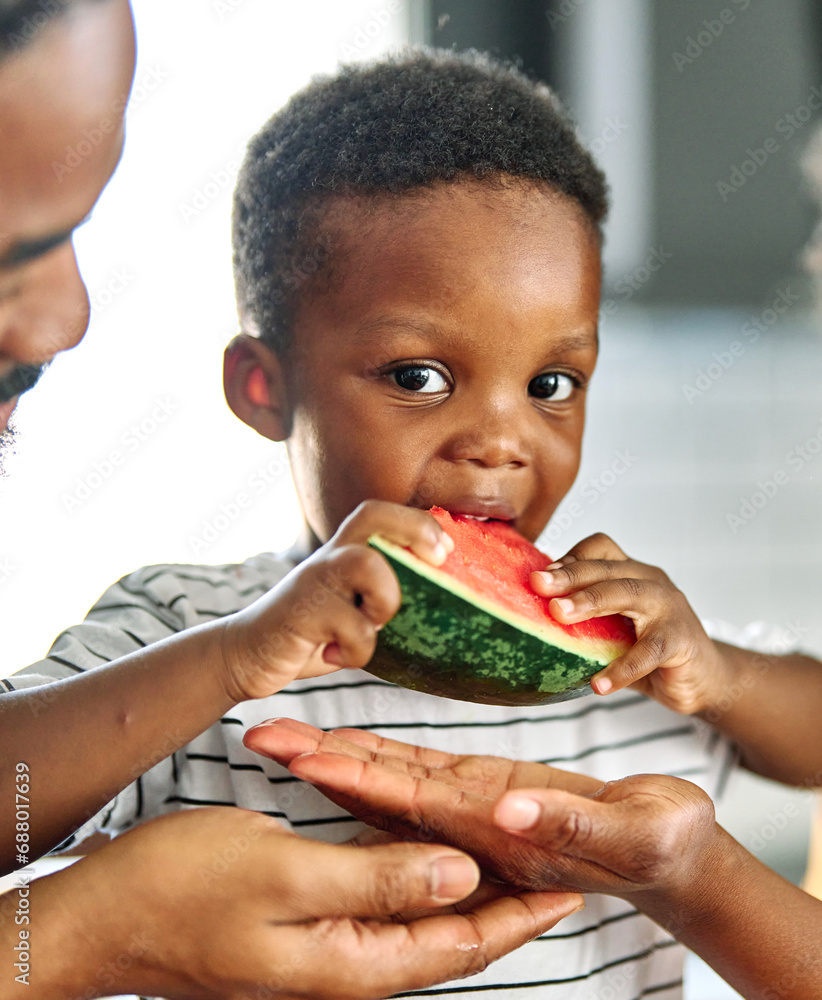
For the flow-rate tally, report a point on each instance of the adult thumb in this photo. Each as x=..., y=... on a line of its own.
x=384, y=879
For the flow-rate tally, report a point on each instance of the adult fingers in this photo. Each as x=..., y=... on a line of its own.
x=332, y=880
x=472, y=772
x=625, y=837
x=427, y=810
x=583, y=841
x=355, y=960
x=409, y=752
x=392, y=799
x=284, y=739
x=289, y=737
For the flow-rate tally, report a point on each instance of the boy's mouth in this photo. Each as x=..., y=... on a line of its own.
x=482, y=509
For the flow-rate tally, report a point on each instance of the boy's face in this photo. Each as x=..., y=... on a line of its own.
x=61, y=106
x=447, y=362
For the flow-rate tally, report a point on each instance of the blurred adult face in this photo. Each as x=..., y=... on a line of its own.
x=62, y=98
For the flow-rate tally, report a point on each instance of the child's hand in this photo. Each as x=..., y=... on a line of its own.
x=650, y=834
x=673, y=659
x=326, y=613
x=224, y=903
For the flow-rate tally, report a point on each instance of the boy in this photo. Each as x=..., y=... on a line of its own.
x=439, y=354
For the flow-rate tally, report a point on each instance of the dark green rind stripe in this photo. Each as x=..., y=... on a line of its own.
x=442, y=644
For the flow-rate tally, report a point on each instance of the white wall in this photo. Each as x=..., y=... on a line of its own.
x=156, y=256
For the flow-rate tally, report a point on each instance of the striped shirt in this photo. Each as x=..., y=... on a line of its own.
x=606, y=952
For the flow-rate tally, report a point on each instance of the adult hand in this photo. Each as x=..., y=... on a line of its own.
x=646, y=833
x=219, y=903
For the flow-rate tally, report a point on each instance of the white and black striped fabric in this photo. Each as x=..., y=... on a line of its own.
x=606, y=952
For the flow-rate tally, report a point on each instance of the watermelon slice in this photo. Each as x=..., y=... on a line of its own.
x=474, y=630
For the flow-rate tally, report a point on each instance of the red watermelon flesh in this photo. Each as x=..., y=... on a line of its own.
x=494, y=560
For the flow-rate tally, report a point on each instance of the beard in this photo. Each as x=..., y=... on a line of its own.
x=15, y=383
x=8, y=437
x=19, y=380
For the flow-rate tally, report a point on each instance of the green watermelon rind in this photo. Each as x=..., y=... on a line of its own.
x=448, y=640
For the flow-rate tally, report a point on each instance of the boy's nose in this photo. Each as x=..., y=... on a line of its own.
x=48, y=314
x=493, y=437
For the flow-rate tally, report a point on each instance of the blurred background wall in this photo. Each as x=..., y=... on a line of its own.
x=675, y=96
x=704, y=448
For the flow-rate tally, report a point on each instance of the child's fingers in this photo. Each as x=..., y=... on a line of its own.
x=364, y=579
x=655, y=612
x=574, y=576
x=325, y=614
x=641, y=600
x=646, y=655
x=598, y=546
x=407, y=526
x=343, y=599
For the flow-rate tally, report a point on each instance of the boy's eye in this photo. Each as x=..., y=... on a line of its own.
x=418, y=378
x=551, y=385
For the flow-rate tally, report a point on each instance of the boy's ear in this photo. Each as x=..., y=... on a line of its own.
x=254, y=386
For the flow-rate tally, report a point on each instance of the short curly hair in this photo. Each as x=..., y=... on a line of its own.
x=383, y=129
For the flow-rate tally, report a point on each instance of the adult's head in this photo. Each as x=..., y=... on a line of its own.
x=65, y=73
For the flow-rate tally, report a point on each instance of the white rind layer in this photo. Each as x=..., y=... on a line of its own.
x=602, y=651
